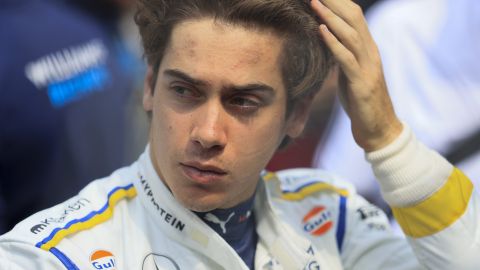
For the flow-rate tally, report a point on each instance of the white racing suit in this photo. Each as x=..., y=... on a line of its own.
x=305, y=219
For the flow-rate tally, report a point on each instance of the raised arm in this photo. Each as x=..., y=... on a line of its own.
x=432, y=201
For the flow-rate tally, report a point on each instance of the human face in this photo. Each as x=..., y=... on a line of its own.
x=218, y=112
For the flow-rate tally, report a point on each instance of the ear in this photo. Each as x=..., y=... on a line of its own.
x=148, y=90
x=299, y=116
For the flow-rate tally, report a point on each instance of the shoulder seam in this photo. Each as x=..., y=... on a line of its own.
x=91, y=220
x=310, y=189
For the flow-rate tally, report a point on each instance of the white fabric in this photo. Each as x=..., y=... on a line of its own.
x=408, y=171
x=144, y=231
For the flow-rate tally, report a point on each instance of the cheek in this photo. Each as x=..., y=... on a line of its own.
x=262, y=140
x=163, y=131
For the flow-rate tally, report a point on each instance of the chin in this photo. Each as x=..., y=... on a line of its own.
x=201, y=204
x=200, y=199
x=200, y=207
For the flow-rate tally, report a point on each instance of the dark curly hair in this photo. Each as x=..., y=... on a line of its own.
x=305, y=59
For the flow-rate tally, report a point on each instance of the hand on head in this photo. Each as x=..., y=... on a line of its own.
x=363, y=91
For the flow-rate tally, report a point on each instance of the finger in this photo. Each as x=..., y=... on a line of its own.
x=348, y=11
x=347, y=61
x=348, y=36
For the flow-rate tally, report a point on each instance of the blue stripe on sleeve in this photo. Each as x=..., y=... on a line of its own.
x=64, y=259
x=341, y=222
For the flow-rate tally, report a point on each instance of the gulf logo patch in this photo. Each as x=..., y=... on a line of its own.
x=102, y=260
x=318, y=221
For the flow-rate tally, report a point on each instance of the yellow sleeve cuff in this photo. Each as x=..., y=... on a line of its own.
x=438, y=211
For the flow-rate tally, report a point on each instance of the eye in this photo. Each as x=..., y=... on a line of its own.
x=245, y=104
x=184, y=92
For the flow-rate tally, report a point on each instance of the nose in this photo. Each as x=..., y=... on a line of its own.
x=209, y=127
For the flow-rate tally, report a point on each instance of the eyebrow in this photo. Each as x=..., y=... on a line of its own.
x=185, y=77
x=253, y=87
x=242, y=88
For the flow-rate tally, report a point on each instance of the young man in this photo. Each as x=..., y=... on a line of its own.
x=228, y=82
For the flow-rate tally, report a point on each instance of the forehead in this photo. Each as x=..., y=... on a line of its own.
x=216, y=51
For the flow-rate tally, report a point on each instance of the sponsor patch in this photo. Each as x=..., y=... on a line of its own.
x=373, y=217
x=159, y=261
x=318, y=221
x=313, y=265
x=75, y=206
x=369, y=212
x=103, y=260
x=168, y=217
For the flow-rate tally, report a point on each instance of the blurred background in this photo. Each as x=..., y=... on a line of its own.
x=71, y=79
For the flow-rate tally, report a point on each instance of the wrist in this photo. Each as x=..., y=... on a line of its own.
x=378, y=138
x=407, y=171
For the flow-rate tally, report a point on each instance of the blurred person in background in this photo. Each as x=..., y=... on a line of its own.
x=65, y=82
x=431, y=57
x=115, y=18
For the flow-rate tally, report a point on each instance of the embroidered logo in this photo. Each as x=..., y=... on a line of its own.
x=245, y=217
x=159, y=261
x=78, y=205
x=168, y=217
x=373, y=217
x=103, y=260
x=318, y=221
x=313, y=265
x=214, y=219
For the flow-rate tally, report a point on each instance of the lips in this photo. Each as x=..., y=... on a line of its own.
x=202, y=173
